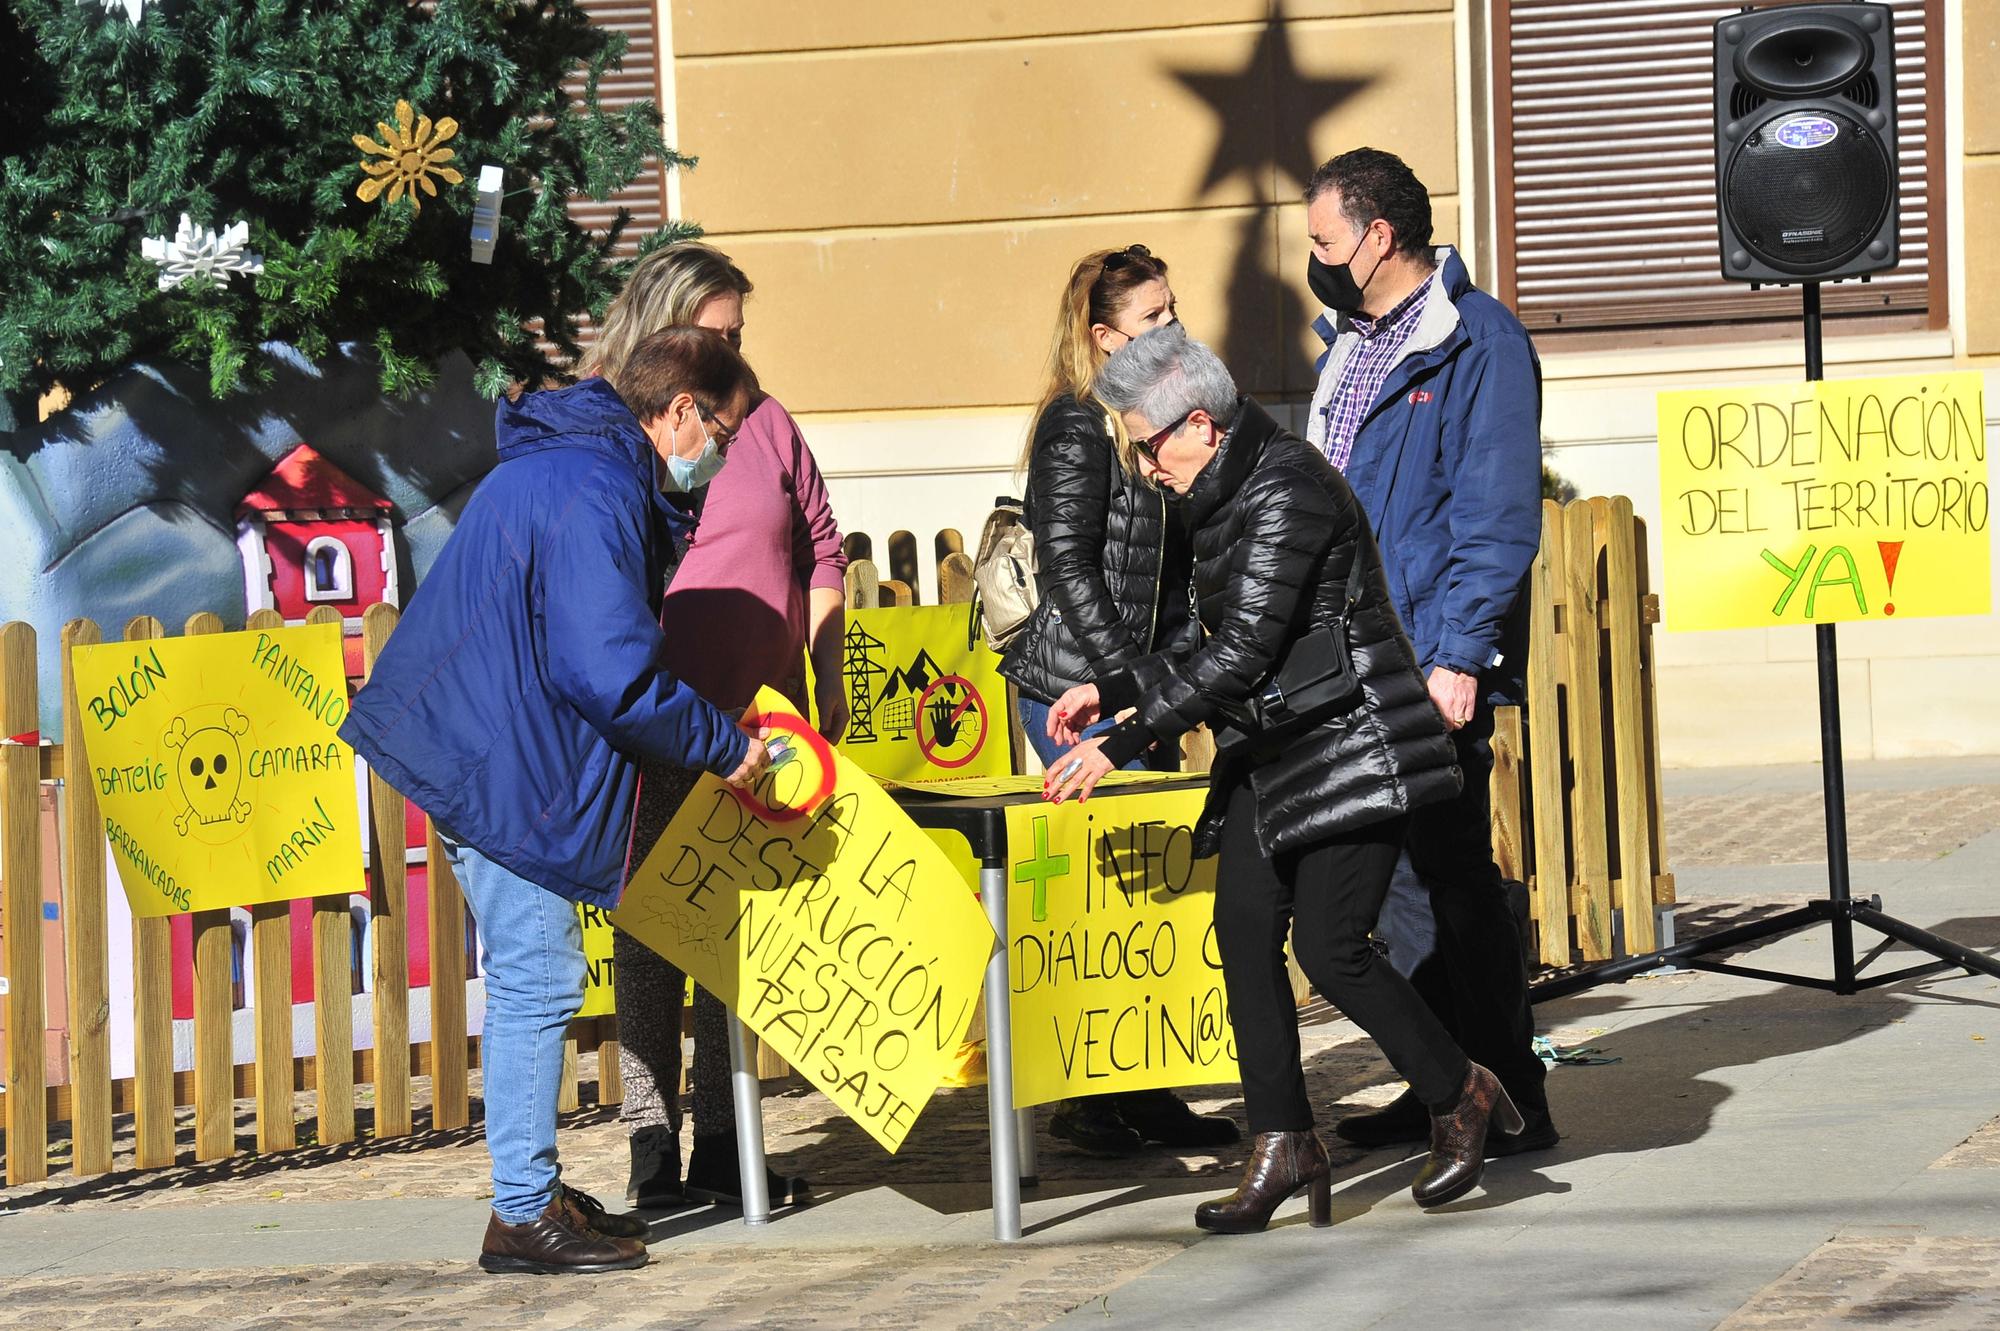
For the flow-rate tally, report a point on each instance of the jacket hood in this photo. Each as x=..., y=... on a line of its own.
x=588, y=416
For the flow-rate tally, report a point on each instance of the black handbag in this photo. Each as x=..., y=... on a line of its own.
x=1315, y=682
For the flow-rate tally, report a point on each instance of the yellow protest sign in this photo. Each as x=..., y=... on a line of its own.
x=985, y=787
x=1823, y=502
x=1112, y=965
x=826, y=920
x=599, y=992
x=925, y=700
x=221, y=778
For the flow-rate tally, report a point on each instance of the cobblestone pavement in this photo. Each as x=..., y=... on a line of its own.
x=1790, y=828
x=1921, y=1281
x=935, y=1288
x=804, y=1133
x=1914, y=1282
x=1979, y=1151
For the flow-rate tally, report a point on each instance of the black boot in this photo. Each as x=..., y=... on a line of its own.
x=1093, y=1125
x=714, y=1176
x=1280, y=1165
x=1163, y=1118
x=1403, y=1119
x=656, y=1169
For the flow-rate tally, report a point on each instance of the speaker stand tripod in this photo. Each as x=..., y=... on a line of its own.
x=1838, y=909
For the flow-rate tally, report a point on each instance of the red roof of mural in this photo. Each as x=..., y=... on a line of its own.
x=304, y=479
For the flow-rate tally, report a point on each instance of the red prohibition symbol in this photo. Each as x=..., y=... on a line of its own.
x=928, y=741
x=809, y=747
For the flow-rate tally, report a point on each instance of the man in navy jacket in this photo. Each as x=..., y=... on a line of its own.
x=512, y=704
x=1429, y=399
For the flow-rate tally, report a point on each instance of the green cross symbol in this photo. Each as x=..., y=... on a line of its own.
x=1041, y=868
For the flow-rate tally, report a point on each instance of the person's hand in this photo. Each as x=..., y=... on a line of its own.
x=1072, y=713
x=1454, y=694
x=754, y=763
x=830, y=702
x=1077, y=772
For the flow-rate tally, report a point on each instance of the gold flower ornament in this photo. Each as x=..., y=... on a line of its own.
x=411, y=156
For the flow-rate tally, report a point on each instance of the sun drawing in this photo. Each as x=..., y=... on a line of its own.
x=411, y=157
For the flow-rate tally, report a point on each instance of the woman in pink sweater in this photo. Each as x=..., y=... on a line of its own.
x=762, y=582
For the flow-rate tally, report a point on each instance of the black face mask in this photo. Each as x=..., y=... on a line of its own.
x=1334, y=284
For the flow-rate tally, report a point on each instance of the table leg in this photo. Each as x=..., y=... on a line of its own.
x=749, y=1126
x=1000, y=1116
x=1024, y=1126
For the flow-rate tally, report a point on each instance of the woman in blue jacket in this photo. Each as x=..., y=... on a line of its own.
x=512, y=704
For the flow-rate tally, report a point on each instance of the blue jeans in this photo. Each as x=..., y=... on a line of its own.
x=1406, y=923
x=1035, y=719
x=531, y=946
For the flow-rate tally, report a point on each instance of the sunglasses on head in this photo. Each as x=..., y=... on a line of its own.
x=1126, y=258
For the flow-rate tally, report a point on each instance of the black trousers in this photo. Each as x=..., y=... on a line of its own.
x=1327, y=898
x=1476, y=980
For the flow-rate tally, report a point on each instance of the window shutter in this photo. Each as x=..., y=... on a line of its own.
x=637, y=80
x=1605, y=148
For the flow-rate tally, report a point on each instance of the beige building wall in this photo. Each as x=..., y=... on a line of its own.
x=908, y=183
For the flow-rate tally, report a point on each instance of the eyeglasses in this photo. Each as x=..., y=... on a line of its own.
x=722, y=438
x=1127, y=257
x=1150, y=445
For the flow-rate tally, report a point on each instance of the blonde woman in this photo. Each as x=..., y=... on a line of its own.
x=760, y=583
x=1113, y=567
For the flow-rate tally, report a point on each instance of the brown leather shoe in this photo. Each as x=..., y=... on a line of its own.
x=586, y=1212
x=1458, y=1139
x=1280, y=1164
x=548, y=1245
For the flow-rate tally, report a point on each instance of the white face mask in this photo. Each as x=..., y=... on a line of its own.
x=689, y=474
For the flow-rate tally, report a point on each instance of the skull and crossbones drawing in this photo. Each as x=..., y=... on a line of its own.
x=210, y=769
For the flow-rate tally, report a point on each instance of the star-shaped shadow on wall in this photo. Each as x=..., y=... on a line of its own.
x=1266, y=110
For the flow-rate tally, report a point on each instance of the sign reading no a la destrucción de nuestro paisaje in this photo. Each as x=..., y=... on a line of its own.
x=218, y=769
x=826, y=920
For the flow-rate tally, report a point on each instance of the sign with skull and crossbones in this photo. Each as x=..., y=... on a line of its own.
x=219, y=767
x=209, y=770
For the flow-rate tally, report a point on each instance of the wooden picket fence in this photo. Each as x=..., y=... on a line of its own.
x=90, y=1097
x=1576, y=782
x=1576, y=815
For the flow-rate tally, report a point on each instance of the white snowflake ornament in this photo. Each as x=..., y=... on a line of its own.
x=197, y=251
x=132, y=8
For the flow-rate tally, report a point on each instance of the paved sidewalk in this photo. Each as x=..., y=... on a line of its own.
x=1760, y=1158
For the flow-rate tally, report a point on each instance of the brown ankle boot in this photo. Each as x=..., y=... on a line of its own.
x=1458, y=1139
x=1280, y=1164
x=551, y=1245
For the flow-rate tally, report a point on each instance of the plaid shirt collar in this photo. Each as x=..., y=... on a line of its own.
x=1407, y=311
x=1366, y=369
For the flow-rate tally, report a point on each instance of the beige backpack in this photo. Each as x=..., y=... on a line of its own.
x=1004, y=573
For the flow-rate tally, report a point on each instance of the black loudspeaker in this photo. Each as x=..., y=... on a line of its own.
x=1805, y=142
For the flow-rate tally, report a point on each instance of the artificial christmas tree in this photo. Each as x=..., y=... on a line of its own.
x=320, y=129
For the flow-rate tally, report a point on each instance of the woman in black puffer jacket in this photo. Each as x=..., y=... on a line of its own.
x=1112, y=570
x=1112, y=565
x=1308, y=826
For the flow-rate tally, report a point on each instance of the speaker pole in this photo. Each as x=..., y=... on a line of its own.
x=1839, y=911
x=1833, y=772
